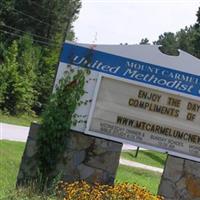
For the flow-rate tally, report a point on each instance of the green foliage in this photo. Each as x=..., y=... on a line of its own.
x=196, y=42
x=187, y=39
x=10, y=81
x=144, y=41
x=57, y=120
x=45, y=72
x=169, y=44
x=198, y=17
x=51, y=16
x=39, y=28
x=18, y=77
x=29, y=56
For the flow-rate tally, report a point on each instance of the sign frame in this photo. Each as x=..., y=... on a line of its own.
x=117, y=139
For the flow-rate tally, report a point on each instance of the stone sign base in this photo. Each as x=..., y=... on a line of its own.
x=180, y=180
x=85, y=158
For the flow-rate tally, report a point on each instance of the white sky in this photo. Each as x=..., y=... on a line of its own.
x=121, y=21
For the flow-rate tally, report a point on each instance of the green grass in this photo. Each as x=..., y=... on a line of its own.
x=10, y=157
x=149, y=180
x=23, y=120
x=147, y=157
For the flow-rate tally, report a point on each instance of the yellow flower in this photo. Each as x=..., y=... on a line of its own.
x=83, y=191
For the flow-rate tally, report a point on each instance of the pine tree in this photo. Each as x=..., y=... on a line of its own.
x=169, y=43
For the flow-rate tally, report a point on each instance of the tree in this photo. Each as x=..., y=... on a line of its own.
x=144, y=41
x=45, y=73
x=198, y=18
x=9, y=81
x=19, y=77
x=48, y=23
x=45, y=19
x=28, y=59
x=187, y=39
x=169, y=43
x=196, y=43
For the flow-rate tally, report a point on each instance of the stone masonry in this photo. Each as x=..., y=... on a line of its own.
x=85, y=158
x=180, y=180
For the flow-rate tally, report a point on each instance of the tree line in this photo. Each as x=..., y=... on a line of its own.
x=186, y=39
x=31, y=37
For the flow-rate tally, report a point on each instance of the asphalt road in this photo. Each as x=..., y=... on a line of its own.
x=20, y=133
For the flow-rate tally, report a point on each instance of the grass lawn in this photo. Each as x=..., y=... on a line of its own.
x=149, y=180
x=23, y=120
x=10, y=157
x=147, y=157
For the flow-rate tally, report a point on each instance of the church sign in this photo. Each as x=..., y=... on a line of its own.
x=139, y=96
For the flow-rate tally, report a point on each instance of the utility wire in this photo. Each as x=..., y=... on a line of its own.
x=31, y=34
x=36, y=4
x=37, y=41
x=34, y=18
x=51, y=12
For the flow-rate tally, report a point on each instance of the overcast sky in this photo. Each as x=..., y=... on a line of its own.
x=128, y=21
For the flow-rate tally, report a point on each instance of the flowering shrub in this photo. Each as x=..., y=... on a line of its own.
x=84, y=191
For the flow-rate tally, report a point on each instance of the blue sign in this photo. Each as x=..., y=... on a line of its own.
x=131, y=69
